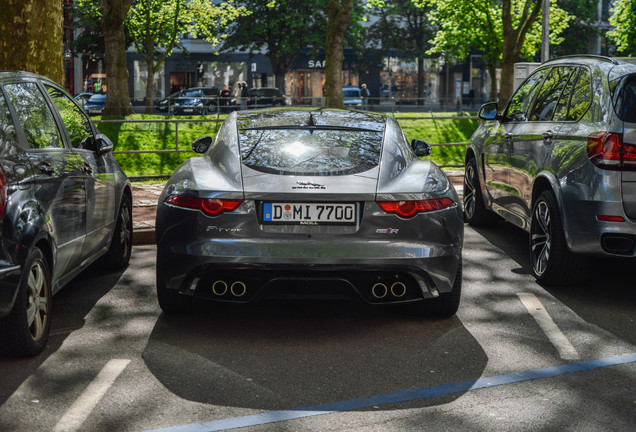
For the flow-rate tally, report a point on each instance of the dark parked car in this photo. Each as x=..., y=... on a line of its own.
x=95, y=104
x=64, y=204
x=310, y=203
x=265, y=97
x=560, y=162
x=82, y=98
x=195, y=100
x=352, y=97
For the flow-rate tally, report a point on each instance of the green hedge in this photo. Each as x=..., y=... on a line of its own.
x=161, y=136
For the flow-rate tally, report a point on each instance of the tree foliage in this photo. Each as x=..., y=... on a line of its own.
x=156, y=26
x=404, y=25
x=623, y=19
x=581, y=29
x=31, y=37
x=505, y=30
x=281, y=29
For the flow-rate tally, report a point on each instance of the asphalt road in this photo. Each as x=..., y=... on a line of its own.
x=517, y=357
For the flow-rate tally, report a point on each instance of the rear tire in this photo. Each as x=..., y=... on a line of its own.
x=118, y=255
x=552, y=263
x=25, y=331
x=475, y=211
x=447, y=304
x=172, y=302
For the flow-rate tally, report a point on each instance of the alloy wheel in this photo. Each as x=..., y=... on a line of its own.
x=469, y=191
x=540, y=237
x=125, y=234
x=38, y=301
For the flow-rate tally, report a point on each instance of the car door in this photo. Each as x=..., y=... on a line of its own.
x=532, y=141
x=58, y=180
x=99, y=179
x=499, y=142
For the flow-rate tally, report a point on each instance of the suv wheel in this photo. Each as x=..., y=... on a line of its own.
x=552, y=262
x=475, y=211
x=26, y=329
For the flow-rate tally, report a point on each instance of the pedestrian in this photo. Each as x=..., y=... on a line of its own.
x=237, y=94
x=365, y=93
x=244, y=95
x=226, y=94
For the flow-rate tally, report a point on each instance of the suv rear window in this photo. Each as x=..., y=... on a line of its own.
x=625, y=104
x=302, y=151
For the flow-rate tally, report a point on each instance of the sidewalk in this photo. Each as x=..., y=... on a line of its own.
x=145, y=199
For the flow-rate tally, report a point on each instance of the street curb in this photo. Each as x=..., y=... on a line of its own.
x=144, y=236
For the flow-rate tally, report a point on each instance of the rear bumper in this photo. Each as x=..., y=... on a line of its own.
x=191, y=260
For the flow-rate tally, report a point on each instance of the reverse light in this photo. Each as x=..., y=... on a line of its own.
x=408, y=209
x=209, y=206
x=608, y=151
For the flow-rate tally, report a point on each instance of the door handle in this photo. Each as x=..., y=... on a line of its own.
x=87, y=169
x=508, y=136
x=45, y=167
x=547, y=136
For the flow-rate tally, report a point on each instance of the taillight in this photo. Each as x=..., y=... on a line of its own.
x=209, y=206
x=408, y=209
x=607, y=151
x=3, y=193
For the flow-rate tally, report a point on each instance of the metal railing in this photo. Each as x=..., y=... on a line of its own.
x=177, y=121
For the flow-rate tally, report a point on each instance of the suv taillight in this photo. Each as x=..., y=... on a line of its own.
x=607, y=151
x=3, y=193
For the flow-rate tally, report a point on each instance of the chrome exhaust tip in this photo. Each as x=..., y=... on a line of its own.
x=398, y=289
x=379, y=290
x=238, y=289
x=219, y=288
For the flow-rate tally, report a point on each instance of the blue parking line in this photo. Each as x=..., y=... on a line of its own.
x=402, y=396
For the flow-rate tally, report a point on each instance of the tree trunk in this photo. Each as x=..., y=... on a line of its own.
x=339, y=14
x=150, y=86
x=493, y=82
x=31, y=37
x=117, y=96
x=279, y=69
x=420, y=80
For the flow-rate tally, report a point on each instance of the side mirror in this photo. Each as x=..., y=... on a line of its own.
x=488, y=111
x=201, y=145
x=103, y=144
x=421, y=148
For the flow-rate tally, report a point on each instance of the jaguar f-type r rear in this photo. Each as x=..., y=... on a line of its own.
x=310, y=203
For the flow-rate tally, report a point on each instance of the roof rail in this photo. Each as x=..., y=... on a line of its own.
x=588, y=56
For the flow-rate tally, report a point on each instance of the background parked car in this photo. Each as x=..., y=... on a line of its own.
x=266, y=97
x=560, y=162
x=64, y=204
x=352, y=97
x=207, y=97
x=82, y=98
x=167, y=104
x=296, y=203
x=95, y=104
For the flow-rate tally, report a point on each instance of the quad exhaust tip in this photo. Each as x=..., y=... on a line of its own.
x=379, y=290
x=398, y=289
x=238, y=289
x=219, y=288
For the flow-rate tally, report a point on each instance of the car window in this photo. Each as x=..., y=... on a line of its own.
x=310, y=152
x=626, y=103
x=34, y=115
x=550, y=92
x=75, y=121
x=520, y=101
x=576, y=99
x=7, y=128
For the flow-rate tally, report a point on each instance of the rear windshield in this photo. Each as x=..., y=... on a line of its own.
x=318, y=152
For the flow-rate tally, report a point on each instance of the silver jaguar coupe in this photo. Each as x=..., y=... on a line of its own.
x=310, y=203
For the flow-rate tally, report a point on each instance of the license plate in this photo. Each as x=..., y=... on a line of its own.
x=188, y=110
x=310, y=213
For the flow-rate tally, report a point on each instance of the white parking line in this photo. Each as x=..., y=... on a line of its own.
x=541, y=316
x=82, y=407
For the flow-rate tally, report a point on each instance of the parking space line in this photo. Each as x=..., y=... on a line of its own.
x=561, y=343
x=398, y=397
x=78, y=412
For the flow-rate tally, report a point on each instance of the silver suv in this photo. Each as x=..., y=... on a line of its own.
x=559, y=161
